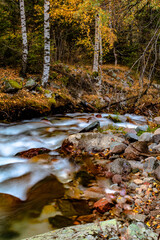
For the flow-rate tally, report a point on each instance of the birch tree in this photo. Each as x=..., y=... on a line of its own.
x=46, y=65
x=24, y=37
x=97, y=44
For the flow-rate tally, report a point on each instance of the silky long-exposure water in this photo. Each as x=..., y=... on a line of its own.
x=20, y=215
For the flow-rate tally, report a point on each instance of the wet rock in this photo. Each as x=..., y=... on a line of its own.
x=12, y=86
x=85, y=178
x=150, y=164
x=102, y=205
x=9, y=234
x=92, y=126
x=89, y=142
x=120, y=166
x=42, y=158
x=135, y=150
x=117, y=148
x=60, y=221
x=146, y=137
x=141, y=128
x=8, y=202
x=157, y=120
x=156, y=138
x=44, y=192
x=72, y=207
x=157, y=173
x=32, y=152
x=131, y=137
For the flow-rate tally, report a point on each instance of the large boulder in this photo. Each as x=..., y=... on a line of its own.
x=89, y=142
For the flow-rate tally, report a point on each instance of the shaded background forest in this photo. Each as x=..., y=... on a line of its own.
x=128, y=27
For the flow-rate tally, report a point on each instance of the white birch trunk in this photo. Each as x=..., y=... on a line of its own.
x=111, y=27
x=96, y=46
x=46, y=65
x=24, y=37
x=100, y=48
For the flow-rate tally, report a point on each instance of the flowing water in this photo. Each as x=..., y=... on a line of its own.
x=20, y=215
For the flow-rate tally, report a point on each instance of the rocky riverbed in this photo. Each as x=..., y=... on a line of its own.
x=106, y=173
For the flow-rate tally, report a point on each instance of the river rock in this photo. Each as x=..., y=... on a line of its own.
x=73, y=207
x=157, y=173
x=136, y=165
x=89, y=142
x=151, y=148
x=156, y=148
x=60, y=221
x=157, y=120
x=141, y=128
x=156, y=138
x=32, y=152
x=151, y=163
x=117, y=148
x=134, y=150
x=157, y=131
x=146, y=137
x=8, y=202
x=44, y=192
x=92, y=126
x=131, y=137
x=120, y=166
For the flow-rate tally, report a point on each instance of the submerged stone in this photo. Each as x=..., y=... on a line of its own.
x=60, y=221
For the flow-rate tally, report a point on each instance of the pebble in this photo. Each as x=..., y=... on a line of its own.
x=121, y=200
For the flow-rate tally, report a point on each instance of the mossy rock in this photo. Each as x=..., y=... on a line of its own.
x=31, y=84
x=11, y=86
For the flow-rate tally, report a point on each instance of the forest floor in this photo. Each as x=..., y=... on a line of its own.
x=76, y=89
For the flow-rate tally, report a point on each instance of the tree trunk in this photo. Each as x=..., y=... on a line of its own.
x=46, y=65
x=96, y=46
x=24, y=38
x=100, y=48
x=111, y=27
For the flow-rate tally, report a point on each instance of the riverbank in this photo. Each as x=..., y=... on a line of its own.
x=73, y=89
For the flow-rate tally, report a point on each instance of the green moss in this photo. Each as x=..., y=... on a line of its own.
x=47, y=91
x=52, y=101
x=14, y=84
x=39, y=89
x=149, y=129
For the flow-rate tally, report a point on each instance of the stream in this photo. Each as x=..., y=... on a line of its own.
x=25, y=210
